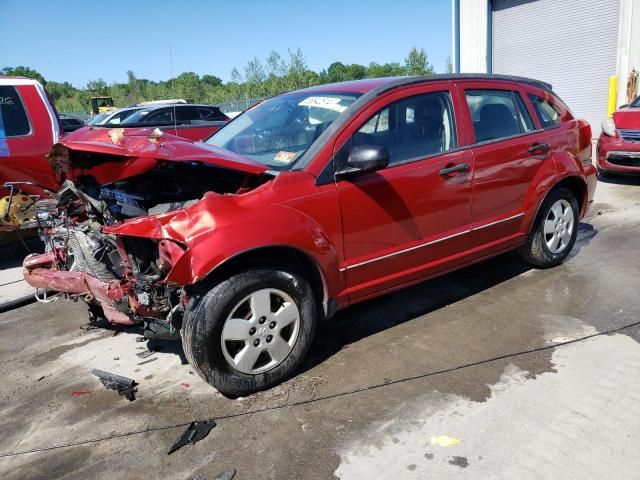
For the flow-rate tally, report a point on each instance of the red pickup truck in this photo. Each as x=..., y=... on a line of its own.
x=29, y=126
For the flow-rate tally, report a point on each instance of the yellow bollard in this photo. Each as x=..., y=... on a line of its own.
x=613, y=93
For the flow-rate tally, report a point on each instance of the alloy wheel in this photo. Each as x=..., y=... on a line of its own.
x=558, y=226
x=260, y=331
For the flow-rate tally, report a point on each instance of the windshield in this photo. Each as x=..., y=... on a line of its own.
x=636, y=103
x=97, y=120
x=278, y=131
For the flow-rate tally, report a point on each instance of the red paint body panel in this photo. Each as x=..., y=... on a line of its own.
x=138, y=150
x=27, y=160
x=619, y=155
x=373, y=233
x=627, y=118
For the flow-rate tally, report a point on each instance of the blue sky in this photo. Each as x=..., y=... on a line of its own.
x=77, y=41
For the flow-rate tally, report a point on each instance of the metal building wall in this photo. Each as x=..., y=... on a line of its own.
x=571, y=44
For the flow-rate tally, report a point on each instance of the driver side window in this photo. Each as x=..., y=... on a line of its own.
x=410, y=129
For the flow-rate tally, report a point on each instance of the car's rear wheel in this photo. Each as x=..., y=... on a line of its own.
x=251, y=331
x=554, y=231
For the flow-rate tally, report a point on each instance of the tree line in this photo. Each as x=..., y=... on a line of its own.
x=274, y=75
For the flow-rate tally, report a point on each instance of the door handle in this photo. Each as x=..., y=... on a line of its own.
x=539, y=147
x=461, y=167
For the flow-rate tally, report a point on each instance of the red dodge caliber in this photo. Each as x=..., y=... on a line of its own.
x=307, y=203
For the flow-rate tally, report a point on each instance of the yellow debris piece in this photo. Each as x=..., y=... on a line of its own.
x=445, y=441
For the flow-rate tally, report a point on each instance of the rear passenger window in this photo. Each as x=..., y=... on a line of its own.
x=160, y=116
x=411, y=128
x=497, y=114
x=14, y=121
x=547, y=113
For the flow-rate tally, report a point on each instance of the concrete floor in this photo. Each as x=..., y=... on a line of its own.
x=482, y=374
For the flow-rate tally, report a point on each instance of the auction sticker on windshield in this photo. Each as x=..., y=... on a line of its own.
x=284, y=157
x=330, y=103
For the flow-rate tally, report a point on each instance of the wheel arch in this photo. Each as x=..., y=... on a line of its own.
x=279, y=256
x=573, y=183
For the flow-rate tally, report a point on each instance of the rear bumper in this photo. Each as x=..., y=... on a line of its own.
x=39, y=272
x=618, y=155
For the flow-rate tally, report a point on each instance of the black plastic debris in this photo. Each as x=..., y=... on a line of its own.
x=145, y=353
x=195, y=432
x=148, y=361
x=126, y=387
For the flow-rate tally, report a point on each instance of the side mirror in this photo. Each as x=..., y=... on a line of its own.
x=364, y=159
x=624, y=106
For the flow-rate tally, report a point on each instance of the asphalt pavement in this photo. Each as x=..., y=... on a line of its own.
x=496, y=371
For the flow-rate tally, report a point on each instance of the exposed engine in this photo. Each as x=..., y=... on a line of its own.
x=133, y=267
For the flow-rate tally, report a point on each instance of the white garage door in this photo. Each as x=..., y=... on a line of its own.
x=568, y=43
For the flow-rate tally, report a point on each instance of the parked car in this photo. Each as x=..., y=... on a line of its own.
x=307, y=203
x=619, y=143
x=29, y=126
x=69, y=123
x=113, y=117
x=194, y=122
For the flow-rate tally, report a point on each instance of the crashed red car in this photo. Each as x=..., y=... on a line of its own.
x=307, y=203
x=619, y=144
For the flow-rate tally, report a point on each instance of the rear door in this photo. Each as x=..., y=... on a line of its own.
x=509, y=150
x=411, y=219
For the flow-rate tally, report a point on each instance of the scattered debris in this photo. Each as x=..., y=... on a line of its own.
x=226, y=475
x=145, y=354
x=186, y=385
x=141, y=339
x=41, y=378
x=116, y=358
x=445, y=441
x=461, y=462
x=195, y=432
x=126, y=387
x=77, y=393
x=148, y=361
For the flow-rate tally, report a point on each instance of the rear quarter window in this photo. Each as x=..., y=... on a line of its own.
x=497, y=114
x=15, y=122
x=547, y=113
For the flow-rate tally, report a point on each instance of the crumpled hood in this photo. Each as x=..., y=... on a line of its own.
x=627, y=118
x=136, y=150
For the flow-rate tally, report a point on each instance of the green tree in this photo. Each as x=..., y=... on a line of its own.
x=98, y=87
x=417, y=63
x=23, y=72
x=211, y=80
x=449, y=65
x=376, y=70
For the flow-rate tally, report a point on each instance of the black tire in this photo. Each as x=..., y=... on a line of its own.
x=535, y=251
x=207, y=312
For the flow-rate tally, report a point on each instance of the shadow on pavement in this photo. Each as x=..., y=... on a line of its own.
x=373, y=316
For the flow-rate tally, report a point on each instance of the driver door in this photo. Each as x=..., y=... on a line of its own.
x=410, y=219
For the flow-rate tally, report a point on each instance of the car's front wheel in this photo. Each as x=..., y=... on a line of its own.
x=554, y=231
x=250, y=331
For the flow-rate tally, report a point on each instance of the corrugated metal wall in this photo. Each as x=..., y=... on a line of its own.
x=571, y=44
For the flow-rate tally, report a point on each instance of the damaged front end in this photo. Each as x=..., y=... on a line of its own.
x=116, y=232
